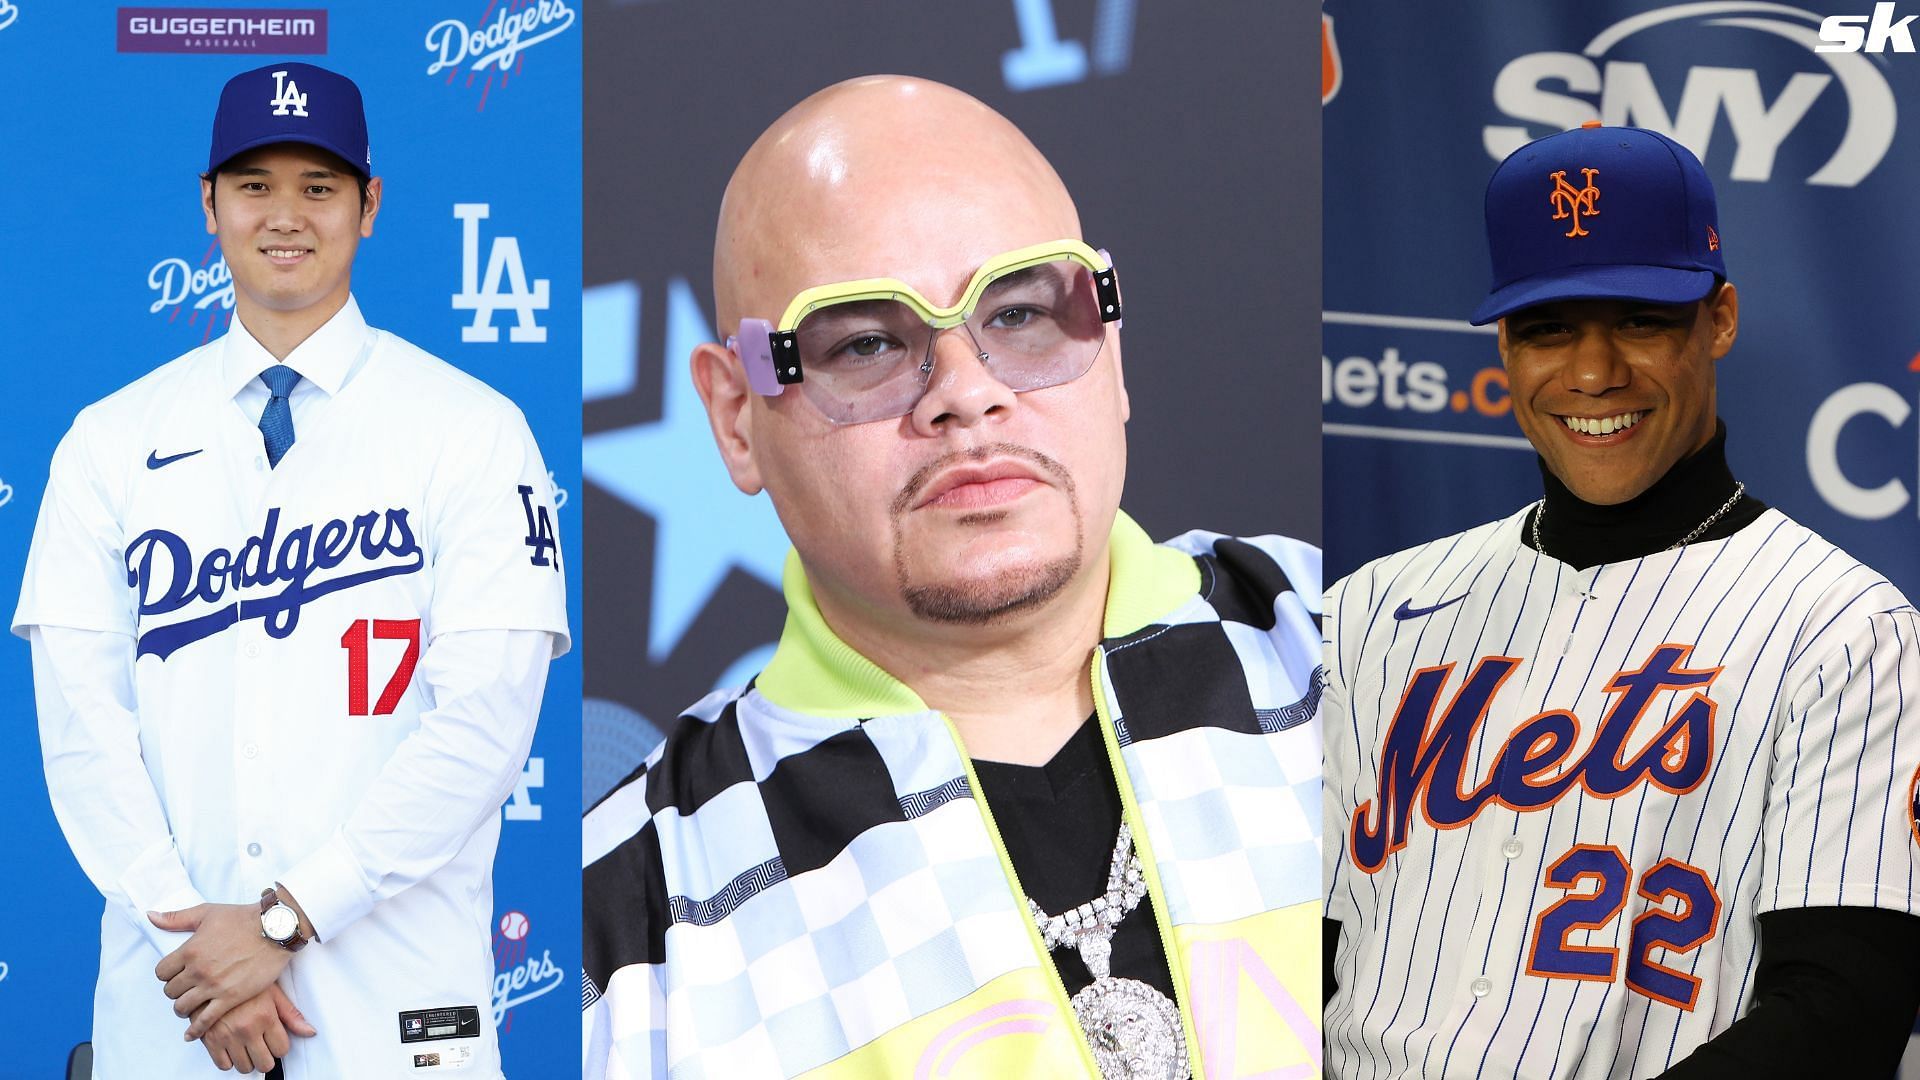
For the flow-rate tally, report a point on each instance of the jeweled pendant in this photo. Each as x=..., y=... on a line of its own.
x=1133, y=1029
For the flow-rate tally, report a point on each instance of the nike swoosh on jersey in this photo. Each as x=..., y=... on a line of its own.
x=155, y=461
x=1406, y=610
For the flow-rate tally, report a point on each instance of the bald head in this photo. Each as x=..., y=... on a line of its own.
x=882, y=176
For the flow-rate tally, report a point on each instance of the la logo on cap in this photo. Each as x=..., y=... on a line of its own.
x=287, y=98
x=1570, y=202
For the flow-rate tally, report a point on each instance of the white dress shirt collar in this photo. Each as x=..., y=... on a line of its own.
x=326, y=359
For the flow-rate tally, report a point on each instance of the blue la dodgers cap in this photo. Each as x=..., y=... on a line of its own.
x=291, y=102
x=1604, y=213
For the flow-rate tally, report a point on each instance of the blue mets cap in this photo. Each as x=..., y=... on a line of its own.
x=1603, y=213
x=291, y=102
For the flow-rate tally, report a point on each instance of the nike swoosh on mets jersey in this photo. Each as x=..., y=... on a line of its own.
x=1406, y=610
x=155, y=461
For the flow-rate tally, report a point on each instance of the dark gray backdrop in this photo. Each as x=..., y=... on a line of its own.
x=1189, y=135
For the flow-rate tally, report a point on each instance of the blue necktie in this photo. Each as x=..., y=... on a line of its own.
x=276, y=423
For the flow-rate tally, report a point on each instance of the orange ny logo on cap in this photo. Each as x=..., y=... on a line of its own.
x=1570, y=202
x=1713, y=239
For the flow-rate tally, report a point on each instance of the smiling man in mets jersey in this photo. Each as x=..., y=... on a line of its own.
x=1622, y=785
x=292, y=598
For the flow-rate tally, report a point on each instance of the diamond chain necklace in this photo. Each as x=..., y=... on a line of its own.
x=1133, y=1030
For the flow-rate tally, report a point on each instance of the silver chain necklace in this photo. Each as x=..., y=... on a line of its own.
x=1739, y=489
x=1133, y=1029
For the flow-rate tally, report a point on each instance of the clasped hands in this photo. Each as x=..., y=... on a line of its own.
x=223, y=981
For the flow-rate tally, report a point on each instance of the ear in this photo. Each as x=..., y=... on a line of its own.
x=372, y=208
x=722, y=382
x=1724, y=311
x=206, y=204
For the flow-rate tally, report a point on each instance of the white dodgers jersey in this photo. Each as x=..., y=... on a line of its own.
x=278, y=616
x=1557, y=800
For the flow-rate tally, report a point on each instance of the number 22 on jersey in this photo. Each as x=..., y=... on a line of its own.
x=1603, y=872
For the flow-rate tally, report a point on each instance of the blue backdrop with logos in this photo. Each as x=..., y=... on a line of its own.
x=106, y=272
x=1813, y=166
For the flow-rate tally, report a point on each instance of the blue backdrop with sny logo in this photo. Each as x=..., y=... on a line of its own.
x=1813, y=162
x=106, y=272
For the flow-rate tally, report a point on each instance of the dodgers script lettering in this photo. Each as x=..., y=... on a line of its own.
x=163, y=568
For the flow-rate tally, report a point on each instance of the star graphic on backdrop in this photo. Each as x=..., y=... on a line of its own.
x=670, y=470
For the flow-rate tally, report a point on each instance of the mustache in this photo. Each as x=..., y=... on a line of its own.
x=910, y=492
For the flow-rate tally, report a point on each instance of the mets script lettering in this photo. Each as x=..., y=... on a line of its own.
x=1423, y=761
x=163, y=568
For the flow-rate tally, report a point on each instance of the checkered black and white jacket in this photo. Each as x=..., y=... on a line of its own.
x=801, y=881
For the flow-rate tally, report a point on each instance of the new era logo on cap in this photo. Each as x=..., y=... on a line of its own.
x=291, y=102
x=1550, y=239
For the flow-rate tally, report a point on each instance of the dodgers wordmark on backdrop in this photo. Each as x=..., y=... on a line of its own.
x=473, y=111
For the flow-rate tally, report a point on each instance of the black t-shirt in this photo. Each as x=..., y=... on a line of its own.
x=1059, y=822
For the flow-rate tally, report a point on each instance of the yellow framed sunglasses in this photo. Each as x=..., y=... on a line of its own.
x=863, y=350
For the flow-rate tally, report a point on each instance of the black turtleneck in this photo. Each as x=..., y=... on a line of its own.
x=1583, y=534
x=1836, y=989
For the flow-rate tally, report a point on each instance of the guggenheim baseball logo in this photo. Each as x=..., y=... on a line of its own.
x=1555, y=91
x=281, y=31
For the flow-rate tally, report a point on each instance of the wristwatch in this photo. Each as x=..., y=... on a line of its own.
x=279, y=923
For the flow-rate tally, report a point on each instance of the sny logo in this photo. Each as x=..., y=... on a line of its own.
x=1424, y=764
x=287, y=96
x=1610, y=79
x=1842, y=33
x=1569, y=201
x=485, y=298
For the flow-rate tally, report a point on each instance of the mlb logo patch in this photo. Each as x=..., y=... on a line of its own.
x=416, y=1025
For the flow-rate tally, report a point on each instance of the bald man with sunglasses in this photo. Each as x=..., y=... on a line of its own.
x=1021, y=793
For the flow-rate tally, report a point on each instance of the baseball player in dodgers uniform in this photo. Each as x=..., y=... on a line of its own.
x=292, y=598
x=1622, y=785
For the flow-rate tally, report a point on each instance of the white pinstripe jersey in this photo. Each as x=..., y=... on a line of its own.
x=1557, y=800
